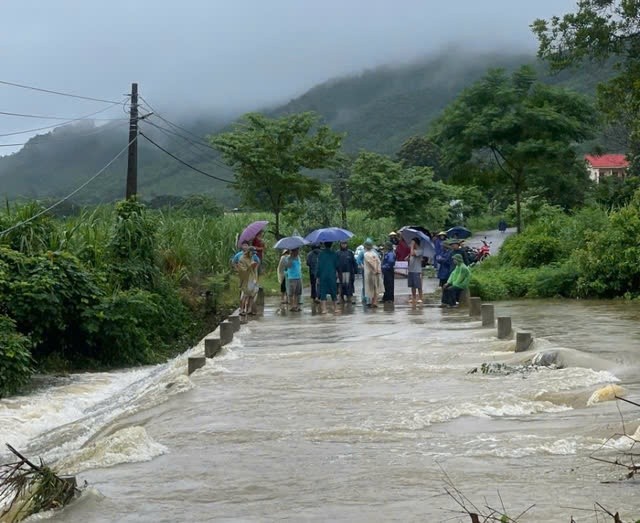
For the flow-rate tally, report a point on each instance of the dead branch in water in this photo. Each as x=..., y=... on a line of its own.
x=27, y=488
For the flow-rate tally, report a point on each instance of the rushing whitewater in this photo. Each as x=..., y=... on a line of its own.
x=356, y=417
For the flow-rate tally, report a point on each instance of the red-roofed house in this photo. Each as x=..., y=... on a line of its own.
x=606, y=165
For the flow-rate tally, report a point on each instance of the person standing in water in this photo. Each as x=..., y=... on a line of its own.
x=347, y=268
x=312, y=263
x=282, y=276
x=293, y=271
x=327, y=276
x=247, y=267
x=415, y=271
x=372, y=272
x=388, y=273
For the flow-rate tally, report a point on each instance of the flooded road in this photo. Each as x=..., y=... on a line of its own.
x=355, y=417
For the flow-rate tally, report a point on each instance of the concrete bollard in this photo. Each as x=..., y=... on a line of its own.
x=211, y=347
x=488, y=314
x=465, y=296
x=523, y=341
x=194, y=363
x=475, y=306
x=226, y=333
x=504, y=327
x=234, y=319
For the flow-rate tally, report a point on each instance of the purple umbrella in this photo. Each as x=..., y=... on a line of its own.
x=251, y=231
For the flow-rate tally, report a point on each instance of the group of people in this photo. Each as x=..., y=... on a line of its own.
x=332, y=273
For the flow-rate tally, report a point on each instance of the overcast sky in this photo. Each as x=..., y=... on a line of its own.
x=193, y=55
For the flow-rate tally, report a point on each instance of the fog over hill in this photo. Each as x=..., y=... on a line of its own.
x=377, y=109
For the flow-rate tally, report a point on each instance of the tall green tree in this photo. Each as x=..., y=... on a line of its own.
x=601, y=30
x=419, y=151
x=516, y=125
x=269, y=154
x=383, y=187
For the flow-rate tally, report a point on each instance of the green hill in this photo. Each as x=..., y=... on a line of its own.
x=377, y=109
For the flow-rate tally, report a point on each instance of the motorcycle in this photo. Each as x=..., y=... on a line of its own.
x=483, y=251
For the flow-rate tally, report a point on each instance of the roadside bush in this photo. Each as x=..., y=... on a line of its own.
x=131, y=249
x=502, y=283
x=530, y=249
x=608, y=262
x=46, y=296
x=15, y=358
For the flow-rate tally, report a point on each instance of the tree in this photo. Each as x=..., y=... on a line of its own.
x=383, y=188
x=518, y=125
x=269, y=154
x=602, y=30
x=419, y=151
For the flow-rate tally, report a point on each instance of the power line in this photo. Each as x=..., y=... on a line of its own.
x=185, y=163
x=170, y=122
x=86, y=117
x=185, y=138
x=59, y=93
x=43, y=117
x=37, y=215
x=172, y=134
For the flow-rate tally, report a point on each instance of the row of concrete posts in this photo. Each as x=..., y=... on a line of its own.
x=223, y=335
x=486, y=313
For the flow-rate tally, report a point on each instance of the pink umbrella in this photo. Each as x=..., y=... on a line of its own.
x=251, y=231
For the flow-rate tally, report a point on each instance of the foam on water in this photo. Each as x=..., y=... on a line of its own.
x=128, y=445
x=56, y=422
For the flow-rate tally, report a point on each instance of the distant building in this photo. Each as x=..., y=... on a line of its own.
x=606, y=165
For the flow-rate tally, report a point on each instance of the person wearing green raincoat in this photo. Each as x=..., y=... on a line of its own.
x=458, y=281
x=327, y=273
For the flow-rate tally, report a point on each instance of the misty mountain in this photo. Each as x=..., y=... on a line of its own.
x=377, y=109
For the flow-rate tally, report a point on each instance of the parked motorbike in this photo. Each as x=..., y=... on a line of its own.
x=483, y=251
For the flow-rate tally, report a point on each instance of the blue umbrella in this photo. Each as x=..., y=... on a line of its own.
x=330, y=234
x=459, y=232
x=290, y=242
x=427, y=246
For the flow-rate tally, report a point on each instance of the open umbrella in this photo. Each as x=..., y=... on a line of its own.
x=428, y=249
x=329, y=234
x=251, y=231
x=290, y=242
x=459, y=232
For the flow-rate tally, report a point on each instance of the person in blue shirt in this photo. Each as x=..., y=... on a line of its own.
x=293, y=271
x=388, y=273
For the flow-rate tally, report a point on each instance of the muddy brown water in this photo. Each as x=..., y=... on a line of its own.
x=361, y=416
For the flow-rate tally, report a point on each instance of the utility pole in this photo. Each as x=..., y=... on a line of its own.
x=132, y=163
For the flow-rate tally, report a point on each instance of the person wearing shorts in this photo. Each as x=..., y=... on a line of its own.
x=293, y=274
x=415, y=271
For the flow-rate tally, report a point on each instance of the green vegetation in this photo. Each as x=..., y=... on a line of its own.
x=604, y=32
x=518, y=127
x=116, y=286
x=269, y=154
x=592, y=253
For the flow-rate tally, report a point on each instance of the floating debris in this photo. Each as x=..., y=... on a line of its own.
x=27, y=488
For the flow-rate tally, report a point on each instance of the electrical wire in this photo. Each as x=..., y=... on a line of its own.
x=172, y=135
x=37, y=215
x=86, y=117
x=231, y=182
x=59, y=93
x=43, y=117
x=170, y=122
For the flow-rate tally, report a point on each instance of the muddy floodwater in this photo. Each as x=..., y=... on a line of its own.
x=360, y=416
